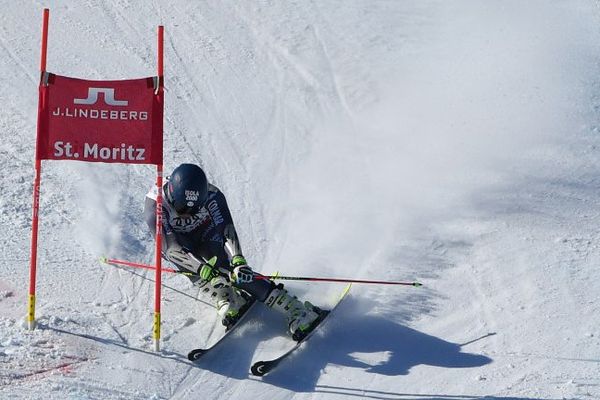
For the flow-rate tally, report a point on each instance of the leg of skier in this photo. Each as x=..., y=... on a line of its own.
x=300, y=316
x=230, y=298
x=217, y=287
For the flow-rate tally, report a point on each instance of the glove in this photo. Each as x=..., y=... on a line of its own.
x=238, y=261
x=208, y=270
x=242, y=273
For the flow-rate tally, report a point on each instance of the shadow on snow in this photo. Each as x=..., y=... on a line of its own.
x=403, y=348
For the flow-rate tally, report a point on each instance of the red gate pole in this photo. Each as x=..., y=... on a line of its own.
x=159, y=184
x=36, y=187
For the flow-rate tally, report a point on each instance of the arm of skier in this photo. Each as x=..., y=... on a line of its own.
x=241, y=272
x=171, y=249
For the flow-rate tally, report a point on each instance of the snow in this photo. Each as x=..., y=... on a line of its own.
x=453, y=143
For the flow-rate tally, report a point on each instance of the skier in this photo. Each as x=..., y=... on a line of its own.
x=197, y=226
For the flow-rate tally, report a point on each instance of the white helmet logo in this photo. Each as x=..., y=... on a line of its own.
x=191, y=196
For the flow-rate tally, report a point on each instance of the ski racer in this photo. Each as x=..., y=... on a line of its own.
x=198, y=226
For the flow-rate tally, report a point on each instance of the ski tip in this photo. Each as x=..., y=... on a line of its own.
x=346, y=290
x=259, y=369
x=104, y=260
x=195, y=354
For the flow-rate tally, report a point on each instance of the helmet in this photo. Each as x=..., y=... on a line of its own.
x=187, y=189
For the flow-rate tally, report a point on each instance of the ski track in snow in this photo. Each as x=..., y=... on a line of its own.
x=454, y=143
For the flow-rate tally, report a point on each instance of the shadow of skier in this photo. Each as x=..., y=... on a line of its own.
x=347, y=334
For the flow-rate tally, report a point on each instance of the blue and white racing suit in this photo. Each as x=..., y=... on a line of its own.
x=208, y=233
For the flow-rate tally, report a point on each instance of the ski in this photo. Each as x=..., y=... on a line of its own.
x=261, y=368
x=195, y=354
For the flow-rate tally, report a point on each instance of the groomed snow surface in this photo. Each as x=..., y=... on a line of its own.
x=450, y=142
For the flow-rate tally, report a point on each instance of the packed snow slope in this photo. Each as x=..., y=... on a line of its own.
x=450, y=142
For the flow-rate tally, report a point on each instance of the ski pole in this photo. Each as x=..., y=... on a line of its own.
x=266, y=277
x=313, y=279
x=106, y=260
x=120, y=264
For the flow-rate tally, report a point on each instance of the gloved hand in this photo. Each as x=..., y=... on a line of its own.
x=208, y=270
x=242, y=273
x=238, y=261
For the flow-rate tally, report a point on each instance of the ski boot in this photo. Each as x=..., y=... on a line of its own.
x=231, y=304
x=302, y=318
